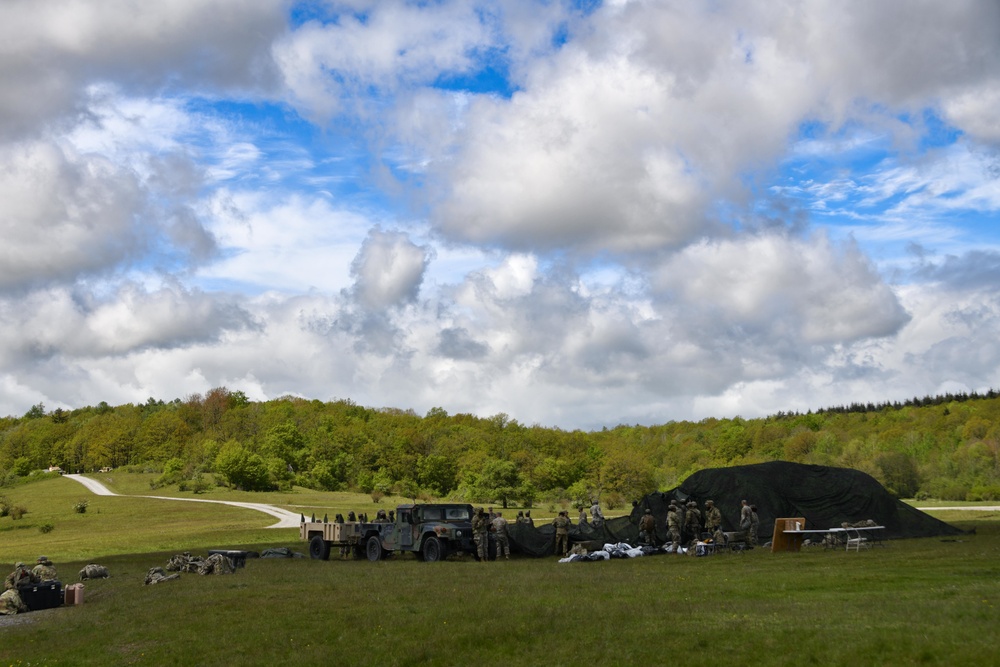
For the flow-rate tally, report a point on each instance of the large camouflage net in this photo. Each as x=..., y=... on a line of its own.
x=825, y=496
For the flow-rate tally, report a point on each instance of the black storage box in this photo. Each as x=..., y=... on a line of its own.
x=44, y=595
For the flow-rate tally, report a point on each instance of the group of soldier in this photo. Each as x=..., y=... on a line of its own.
x=486, y=522
x=687, y=525
x=10, y=599
x=563, y=524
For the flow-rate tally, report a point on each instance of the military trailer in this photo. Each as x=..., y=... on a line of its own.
x=431, y=531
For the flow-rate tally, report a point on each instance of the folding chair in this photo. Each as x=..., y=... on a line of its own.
x=856, y=541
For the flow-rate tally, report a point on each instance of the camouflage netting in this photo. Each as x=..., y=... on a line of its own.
x=825, y=496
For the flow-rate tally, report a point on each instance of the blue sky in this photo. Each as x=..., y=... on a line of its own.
x=576, y=213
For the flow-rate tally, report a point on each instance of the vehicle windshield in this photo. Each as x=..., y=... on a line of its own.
x=444, y=513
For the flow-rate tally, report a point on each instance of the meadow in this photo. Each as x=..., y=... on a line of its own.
x=924, y=601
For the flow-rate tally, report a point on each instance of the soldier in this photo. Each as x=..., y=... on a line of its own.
x=713, y=517
x=746, y=516
x=528, y=520
x=754, y=525
x=21, y=575
x=11, y=603
x=481, y=534
x=583, y=516
x=502, y=536
x=351, y=517
x=156, y=575
x=45, y=571
x=520, y=517
x=596, y=516
x=719, y=538
x=674, y=527
x=392, y=516
x=492, y=514
x=647, y=528
x=692, y=521
x=562, y=525
x=380, y=517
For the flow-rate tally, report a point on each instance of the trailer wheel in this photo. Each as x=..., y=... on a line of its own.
x=374, y=548
x=433, y=550
x=318, y=548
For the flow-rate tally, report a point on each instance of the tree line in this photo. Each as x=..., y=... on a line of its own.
x=945, y=447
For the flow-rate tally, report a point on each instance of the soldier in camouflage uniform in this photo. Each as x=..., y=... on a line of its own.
x=596, y=516
x=745, y=516
x=754, y=525
x=713, y=517
x=156, y=575
x=674, y=526
x=562, y=524
x=481, y=534
x=502, y=536
x=45, y=571
x=21, y=575
x=647, y=528
x=692, y=521
x=11, y=603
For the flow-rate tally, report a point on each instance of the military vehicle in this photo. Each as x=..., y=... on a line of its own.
x=431, y=531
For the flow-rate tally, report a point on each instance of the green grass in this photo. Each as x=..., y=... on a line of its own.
x=915, y=602
x=117, y=525
x=306, y=501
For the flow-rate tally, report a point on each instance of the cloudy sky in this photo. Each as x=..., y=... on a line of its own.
x=576, y=213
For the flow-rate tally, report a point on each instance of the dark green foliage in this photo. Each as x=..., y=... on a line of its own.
x=943, y=446
x=242, y=469
x=899, y=474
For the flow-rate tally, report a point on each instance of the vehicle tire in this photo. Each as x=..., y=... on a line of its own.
x=319, y=549
x=373, y=549
x=433, y=550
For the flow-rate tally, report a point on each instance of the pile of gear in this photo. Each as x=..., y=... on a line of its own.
x=212, y=564
x=94, y=571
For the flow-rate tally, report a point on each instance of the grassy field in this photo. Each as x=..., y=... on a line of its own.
x=926, y=601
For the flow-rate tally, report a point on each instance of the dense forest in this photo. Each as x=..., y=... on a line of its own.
x=942, y=447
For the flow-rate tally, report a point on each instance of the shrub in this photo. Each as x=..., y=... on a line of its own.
x=81, y=507
x=614, y=500
x=22, y=466
x=377, y=497
x=4, y=506
x=197, y=484
x=17, y=511
x=46, y=528
x=978, y=493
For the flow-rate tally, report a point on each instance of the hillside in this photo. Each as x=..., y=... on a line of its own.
x=945, y=447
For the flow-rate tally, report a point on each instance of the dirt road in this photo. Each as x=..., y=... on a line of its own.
x=286, y=519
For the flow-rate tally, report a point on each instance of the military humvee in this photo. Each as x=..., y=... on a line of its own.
x=431, y=531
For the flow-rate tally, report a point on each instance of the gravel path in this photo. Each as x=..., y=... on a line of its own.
x=285, y=518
